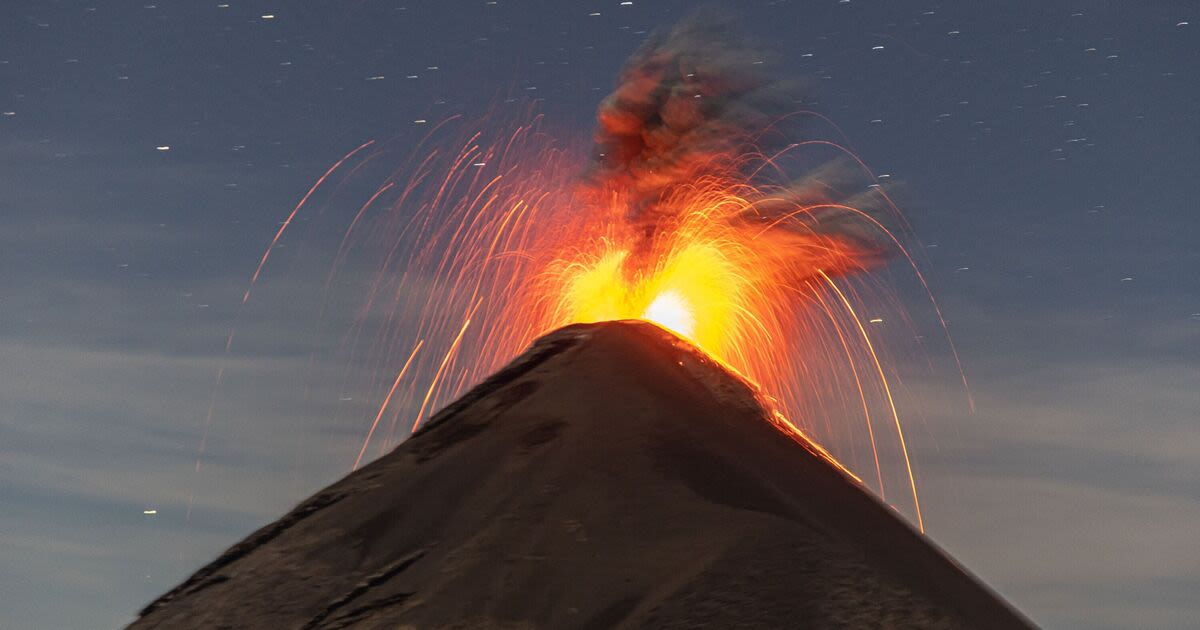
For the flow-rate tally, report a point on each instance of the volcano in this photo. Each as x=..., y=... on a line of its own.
x=612, y=476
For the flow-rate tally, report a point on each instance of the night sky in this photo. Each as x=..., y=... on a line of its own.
x=1045, y=152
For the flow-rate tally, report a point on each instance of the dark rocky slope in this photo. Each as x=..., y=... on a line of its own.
x=611, y=477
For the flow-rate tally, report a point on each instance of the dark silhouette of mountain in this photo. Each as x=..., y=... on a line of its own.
x=613, y=476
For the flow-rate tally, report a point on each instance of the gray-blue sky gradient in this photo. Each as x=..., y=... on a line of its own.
x=1047, y=151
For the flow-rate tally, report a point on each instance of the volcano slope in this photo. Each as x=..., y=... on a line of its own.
x=613, y=476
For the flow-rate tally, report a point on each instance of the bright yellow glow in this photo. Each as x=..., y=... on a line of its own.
x=693, y=291
x=672, y=312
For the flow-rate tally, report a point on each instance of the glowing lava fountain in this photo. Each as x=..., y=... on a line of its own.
x=472, y=254
x=482, y=241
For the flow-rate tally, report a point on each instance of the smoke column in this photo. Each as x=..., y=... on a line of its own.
x=697, y=103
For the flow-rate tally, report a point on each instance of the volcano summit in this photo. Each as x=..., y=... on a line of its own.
x=613, y=476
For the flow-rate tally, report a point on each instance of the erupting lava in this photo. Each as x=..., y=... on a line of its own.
x=693, y=292
x=685, y=218
x=721, y=281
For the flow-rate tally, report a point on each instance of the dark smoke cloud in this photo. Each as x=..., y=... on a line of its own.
x=694, y=101
x=688, y=103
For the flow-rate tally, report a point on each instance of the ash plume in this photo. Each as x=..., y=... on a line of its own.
x=687, y=102
x=699, y=101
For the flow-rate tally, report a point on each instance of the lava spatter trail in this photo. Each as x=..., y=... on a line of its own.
x=702, y=208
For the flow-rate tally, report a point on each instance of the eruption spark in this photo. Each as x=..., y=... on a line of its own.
x=684, y=218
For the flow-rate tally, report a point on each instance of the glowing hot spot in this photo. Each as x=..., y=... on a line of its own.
x=672, y=312
x=697, y=290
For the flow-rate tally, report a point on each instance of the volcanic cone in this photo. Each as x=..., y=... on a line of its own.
x=613, y=476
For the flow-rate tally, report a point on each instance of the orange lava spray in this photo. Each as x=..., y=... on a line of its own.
x=489, y=237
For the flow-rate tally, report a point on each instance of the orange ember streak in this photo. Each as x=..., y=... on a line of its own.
x=212, y=402
x=219, y=379
x=887, y=389
x=861, y=395
x=288, y=221
x=912, y=263
x=440, y=371
x=350, y=229
x=384, y=406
